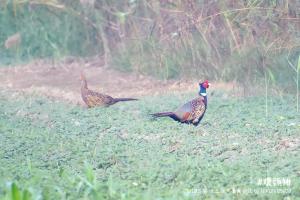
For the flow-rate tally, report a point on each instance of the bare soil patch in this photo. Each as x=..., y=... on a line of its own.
x=61, y=81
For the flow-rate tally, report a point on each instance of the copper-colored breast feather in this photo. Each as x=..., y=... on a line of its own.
x=191, y=111
x=198, y=109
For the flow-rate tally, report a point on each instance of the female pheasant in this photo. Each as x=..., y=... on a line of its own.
x=92, y=98
x=193, y=111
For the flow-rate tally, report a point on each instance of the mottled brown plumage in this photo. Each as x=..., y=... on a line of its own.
x=93, y=99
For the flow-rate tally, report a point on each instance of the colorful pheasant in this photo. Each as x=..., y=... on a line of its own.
x=92, y=98
x=193, y=111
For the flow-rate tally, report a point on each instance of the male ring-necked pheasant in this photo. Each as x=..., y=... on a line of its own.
x=193, y=111
x=93, y=99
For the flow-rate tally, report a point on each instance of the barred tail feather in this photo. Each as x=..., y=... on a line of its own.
x=124, y=99
x=163, y=114
x=167, y=114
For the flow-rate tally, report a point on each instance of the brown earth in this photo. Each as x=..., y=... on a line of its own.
x=61, y=81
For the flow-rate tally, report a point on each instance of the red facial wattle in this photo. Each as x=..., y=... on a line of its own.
x=205, y=84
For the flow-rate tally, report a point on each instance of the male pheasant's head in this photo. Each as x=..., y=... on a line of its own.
x=203, y=86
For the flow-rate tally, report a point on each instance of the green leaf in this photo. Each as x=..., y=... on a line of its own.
x=89, y=173
x=15, y=192
x=29, y=165
x=121, y=16
x=271, y=75
x=298, y=69
x=26, y=195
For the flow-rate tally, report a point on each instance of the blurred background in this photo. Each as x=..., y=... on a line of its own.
x=156, y=51
x=234, y=40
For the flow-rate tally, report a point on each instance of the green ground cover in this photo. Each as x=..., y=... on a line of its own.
x=52, y=150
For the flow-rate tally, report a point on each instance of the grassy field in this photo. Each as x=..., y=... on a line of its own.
x=57, y=151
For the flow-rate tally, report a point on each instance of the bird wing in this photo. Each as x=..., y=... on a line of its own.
x=191, y=110
x=97, y=99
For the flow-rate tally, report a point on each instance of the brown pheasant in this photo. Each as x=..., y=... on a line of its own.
x=93, y=99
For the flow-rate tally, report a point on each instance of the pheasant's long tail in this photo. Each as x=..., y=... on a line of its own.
x=163, y=114
x=124, y=99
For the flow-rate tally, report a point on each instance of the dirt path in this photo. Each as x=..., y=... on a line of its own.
x=61, y=81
